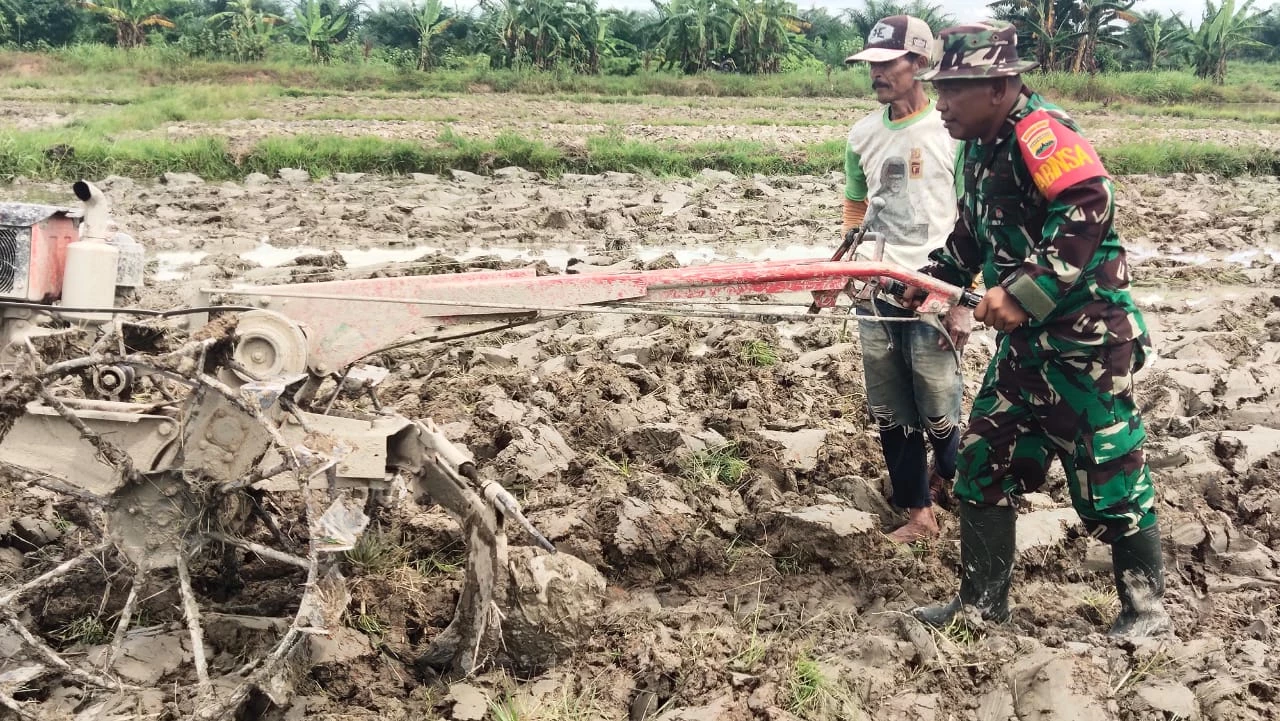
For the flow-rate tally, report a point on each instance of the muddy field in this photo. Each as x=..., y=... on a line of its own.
x=567, y=121
x=764, y=589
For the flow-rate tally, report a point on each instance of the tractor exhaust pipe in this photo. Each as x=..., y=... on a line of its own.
x=97, y=211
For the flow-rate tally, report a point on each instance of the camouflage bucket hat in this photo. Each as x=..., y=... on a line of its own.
x=988, y=49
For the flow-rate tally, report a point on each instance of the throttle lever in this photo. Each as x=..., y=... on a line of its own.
x=896, y=288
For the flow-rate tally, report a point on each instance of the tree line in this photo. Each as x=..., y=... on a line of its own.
x=689, y=36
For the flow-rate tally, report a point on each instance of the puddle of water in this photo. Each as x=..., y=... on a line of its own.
x=1243, y=258
x=173, y=264
x=1139, y=253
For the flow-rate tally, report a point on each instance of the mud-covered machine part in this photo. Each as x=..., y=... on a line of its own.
x=168, y=486
x=209, y=444
x=238, y=465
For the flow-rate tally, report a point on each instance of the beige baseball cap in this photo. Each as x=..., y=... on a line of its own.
x=894, y=37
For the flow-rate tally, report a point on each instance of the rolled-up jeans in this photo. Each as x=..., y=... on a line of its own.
x=914, y=390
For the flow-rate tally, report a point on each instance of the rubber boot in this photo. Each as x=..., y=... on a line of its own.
x=986, y=565
x=1139, y=572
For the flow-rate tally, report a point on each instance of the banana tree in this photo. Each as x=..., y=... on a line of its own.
x=546, y=28
x=1223, y=31
x=1096, y=26
x=763, y=32
x=587, y=36
x=500, y=20
x=691, y=30
x=250, y=29
x=317, y=29
x=131, y=18
x=429, y=22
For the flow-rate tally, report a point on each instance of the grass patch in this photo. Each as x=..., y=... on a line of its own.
x=716, y=465
x=444, y=561
x=369, y=623
x=805, y=685
x=622, y=468
x=759, y=353
x=73, y=155
x=1098, y=605
x=70, y=154
x=84, y=630
x=1240, y=112
x=792, y=565
x=566, y=704
x=959, y=633
x=1153, y=665
x=1147, y=87
x=508, y=709
x=377, y=551
x=812, y=695
x=1162, y=158
x=753, y=649
x=190, y=103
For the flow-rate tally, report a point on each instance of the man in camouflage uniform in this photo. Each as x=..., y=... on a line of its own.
x=1036, y=219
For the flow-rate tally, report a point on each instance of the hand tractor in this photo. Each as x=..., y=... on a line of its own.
x=199, y=436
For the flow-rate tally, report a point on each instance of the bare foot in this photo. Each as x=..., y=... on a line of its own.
x=920, y=525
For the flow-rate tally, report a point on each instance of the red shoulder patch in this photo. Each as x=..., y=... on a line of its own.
x=1057, y=156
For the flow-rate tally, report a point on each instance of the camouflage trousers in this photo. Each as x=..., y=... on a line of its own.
x=1077, y=406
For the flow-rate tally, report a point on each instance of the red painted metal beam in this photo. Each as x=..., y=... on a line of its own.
x=346, y=319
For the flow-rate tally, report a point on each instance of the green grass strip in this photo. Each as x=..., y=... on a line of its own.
x=1166, y=157
x=90, y=68
x=64, y=155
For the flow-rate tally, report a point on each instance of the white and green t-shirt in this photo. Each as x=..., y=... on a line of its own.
x=911, y=164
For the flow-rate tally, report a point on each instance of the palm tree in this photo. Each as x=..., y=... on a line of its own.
x=631, y=27
x=318, y=29
x=1045, y=23
x=1269, y=35
x=1222, y=32
x=828, y=37
x=1153, y=38
x=864, y=19
x=429, y=22
x=14, y=11
x=131, y=18
x=1097, y=18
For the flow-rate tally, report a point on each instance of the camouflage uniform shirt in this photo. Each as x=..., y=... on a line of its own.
x=1061, y=258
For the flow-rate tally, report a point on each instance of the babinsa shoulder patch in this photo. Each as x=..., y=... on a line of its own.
x=1057, y=156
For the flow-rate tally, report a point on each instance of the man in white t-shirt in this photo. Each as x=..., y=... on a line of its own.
x=903, y=154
